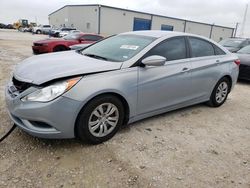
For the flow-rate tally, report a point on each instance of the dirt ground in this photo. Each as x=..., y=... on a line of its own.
x=192, y=147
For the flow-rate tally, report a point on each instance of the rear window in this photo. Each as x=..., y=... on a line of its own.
x=218, y=51
x=231, y=42
x=201, y=48
x=92, y=37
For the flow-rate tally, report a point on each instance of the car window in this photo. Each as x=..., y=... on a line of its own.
x=201, y=48
x=118, y=48
x=171, y=49
x=218, y=51
x=231, y=42
x=245, y=50
x=74, y=36
x=91, y=37
x=46, y=26
x=243, y=44
x=67, y=29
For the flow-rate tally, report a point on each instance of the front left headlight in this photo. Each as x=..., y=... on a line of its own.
x=51, y=92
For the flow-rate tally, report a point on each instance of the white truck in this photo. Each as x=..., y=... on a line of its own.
x=42, y=29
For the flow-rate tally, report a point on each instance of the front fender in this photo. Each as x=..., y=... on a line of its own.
x=122, y=82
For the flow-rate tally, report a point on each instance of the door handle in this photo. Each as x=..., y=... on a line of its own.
x=185, y=69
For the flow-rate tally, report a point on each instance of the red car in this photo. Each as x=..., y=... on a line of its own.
x=56, y=45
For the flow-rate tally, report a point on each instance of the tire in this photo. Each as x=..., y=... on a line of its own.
x=88, y=119
x=59, y=48
x=38, y=32
x=220, y=92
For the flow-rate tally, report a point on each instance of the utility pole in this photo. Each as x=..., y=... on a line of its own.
x=244, y=22
x=236, y=29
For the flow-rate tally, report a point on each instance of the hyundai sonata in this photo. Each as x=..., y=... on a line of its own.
x=90, y=93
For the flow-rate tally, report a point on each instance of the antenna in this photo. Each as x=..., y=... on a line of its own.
x=244, y=22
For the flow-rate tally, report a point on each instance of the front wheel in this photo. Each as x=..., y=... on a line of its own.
x=220, y=93
x=38, y=32
x=100, y=119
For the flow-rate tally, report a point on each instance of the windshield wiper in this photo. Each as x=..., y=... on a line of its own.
x=96, y=56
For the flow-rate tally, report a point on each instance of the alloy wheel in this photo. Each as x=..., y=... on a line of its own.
x=103, y=119
x=221, y=92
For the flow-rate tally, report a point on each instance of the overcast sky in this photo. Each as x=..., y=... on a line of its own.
x=220, y=12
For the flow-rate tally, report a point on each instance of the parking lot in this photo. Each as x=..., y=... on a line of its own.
x=197, y=146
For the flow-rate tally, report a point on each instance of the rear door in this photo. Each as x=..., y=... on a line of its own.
x=207, y=66
x=167, y=85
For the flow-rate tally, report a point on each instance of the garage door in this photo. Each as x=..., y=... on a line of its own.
x=141, y=24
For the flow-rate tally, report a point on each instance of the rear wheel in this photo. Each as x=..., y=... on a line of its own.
x=220, y=93
x=59, y=49
x=38, y=32
x=100, y=119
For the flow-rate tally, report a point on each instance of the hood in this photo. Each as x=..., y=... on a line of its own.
x=43, y=68
x=244, y=59
x=232, y=49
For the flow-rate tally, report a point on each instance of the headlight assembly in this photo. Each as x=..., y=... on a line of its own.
x=51, y=92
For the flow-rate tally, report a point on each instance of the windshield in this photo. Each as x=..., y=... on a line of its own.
x=118, y=48
x=74, y=36
x=245, y=50
x=231, y=42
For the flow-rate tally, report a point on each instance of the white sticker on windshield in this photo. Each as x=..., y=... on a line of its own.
x=129, y=47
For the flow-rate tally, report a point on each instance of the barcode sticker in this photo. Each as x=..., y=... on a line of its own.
x=129, y=47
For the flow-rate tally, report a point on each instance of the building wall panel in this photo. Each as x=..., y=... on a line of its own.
x=84, y=18
x=158, y=21
x=220, y=33
x=59, y=18
x=115, y=21
x=198, y=29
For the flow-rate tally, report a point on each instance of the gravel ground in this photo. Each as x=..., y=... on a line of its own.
x=193, y=147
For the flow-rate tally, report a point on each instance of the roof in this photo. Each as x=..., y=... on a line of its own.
x=161, y=33
x=156, y=33
x=139, y=13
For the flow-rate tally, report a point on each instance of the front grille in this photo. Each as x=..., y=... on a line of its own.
x=35, y=51
x=38, y=44
x=20, y=86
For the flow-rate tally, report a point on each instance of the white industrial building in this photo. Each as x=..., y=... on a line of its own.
x=108, y=20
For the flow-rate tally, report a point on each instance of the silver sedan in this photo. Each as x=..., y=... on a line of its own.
x=91, y=93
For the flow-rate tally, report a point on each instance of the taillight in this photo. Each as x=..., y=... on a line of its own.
x=237, y=62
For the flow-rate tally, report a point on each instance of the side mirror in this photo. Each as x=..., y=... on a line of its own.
x=154, y=60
